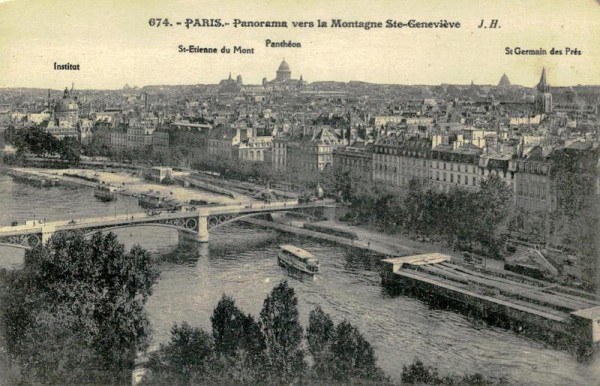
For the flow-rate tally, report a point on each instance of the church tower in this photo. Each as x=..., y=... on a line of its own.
x=504, y=82
x=543, y=98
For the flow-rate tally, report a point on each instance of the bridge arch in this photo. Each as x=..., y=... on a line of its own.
x=220, y=220
x=18, y=246
x=26, y=241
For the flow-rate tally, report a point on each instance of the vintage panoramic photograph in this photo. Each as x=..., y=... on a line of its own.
x=266, y=192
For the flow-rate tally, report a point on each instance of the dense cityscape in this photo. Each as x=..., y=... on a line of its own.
x=542, y=141
x=502, y=172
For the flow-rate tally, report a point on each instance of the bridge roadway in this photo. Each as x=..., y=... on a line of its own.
x=191, y=224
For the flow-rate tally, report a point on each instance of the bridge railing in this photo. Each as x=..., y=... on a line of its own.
x=138, y=217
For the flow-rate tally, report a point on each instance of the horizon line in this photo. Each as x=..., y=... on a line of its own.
x=319, y=81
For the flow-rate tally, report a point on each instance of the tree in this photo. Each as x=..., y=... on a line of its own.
x=320, y=331
x=417, y=212
x=492, y=208
x=319, y=334
x=239, y=344
x=226, y=326
x=458, y=217
x=69, y=149
x=186, y=358
x=419, y=374
x=36, y=140
x=91, y=289
x=233, y=331
x=353, y=357
x=253, y=342
x=236, y=354
x=283, y=333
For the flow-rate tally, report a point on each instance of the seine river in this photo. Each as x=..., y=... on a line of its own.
x=241, y=261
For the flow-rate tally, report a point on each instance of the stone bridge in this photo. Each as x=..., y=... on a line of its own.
x=192, y=225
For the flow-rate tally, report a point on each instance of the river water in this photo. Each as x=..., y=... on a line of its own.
x=240, y=261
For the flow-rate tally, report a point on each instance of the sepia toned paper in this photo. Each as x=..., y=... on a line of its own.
x=125, y=48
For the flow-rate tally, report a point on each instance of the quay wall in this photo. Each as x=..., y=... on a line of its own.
x=308, y=233
x=562, y=333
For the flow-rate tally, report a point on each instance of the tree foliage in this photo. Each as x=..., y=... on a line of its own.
x=352, y=357
x=77, y=308
x=417, y=373
x=186, y=359
x=465, y=219
x=340, y=353
x=242, y=351
x=233, y=331
x=319, y=335
x=41, y=143
x=283, y=332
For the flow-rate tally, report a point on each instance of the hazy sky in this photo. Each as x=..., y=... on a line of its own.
x=114, y=44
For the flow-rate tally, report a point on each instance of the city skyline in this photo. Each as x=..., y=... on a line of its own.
x=493, y=84
x=113, y=44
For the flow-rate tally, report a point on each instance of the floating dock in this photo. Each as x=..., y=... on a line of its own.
x=552, y=312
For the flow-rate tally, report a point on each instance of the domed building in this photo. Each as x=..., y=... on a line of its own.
x=283, y=72
x=67, y=109
x=65, y=118
x=283, y=79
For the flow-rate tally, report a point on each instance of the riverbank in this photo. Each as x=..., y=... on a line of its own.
x=241, y=262
x=544, y=311
x=366, y=239
x=128, y=183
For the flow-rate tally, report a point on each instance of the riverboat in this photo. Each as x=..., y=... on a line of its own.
x=297, y=260
x=152, y=200
x=105, y=192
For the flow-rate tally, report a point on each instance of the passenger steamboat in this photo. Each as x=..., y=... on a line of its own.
x=297, y=260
